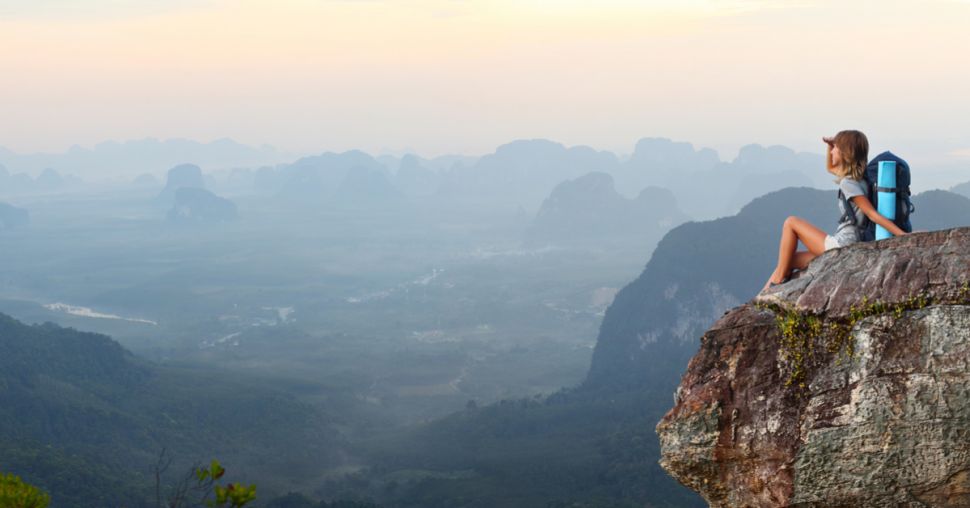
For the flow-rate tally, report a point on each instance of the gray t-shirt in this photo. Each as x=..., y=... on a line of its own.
x=847, y=233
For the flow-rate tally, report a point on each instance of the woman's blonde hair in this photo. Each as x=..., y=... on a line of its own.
x=854, y=148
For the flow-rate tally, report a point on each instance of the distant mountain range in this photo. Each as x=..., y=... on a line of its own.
x=48, y=180
x=417, y=178
x=524, y=172
x=316, y=179
x=962, y=189
x=519, y=174
x=588, y=210
x=148, y=155
x=367, y=187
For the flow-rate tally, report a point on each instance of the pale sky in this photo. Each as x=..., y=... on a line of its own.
x=463, y=76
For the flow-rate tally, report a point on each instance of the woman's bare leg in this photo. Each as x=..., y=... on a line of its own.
x=801, y=259
x=792, y=231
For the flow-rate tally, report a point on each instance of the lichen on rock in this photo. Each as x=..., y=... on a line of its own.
x=848, y=386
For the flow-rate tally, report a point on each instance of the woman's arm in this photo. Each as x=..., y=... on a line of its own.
x=866, y=206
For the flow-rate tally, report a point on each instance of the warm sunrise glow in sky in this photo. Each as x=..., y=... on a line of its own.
x=443, y=76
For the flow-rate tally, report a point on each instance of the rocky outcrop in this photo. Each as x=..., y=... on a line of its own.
x=848, y=386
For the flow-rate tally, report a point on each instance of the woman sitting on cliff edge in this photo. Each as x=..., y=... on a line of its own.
x=846, y=158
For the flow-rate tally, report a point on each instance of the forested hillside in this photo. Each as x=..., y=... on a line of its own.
x=85, y=420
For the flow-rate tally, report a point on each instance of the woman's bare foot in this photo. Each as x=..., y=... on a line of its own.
x=774, y=280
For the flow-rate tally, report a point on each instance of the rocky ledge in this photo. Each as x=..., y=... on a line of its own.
x=846, y=387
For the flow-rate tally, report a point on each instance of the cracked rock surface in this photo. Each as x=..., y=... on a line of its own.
x=887, y=424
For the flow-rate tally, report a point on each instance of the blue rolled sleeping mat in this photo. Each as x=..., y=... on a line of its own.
x=886, y=196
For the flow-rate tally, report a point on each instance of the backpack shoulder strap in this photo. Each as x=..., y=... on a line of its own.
x=848, y=214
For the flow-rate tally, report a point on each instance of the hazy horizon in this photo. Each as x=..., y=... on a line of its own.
x=238, y=155
x=445, y=76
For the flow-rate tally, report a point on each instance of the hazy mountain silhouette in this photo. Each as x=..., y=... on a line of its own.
x=267, y=180
x=938, y=209
x=665, y=163
x=17, y=183
x=235, y=181
x=13, y=217
x=183, y=175
x=143, y=155
x=589, y=210
x=366, y=187
x=414, y=179
x=316, y=179
x=962, y=189
x=707, y=187
x=145, y=180
x=758, y=170
x=199, y=205
x=523, y=172
x=438, y=164
x=49, y=180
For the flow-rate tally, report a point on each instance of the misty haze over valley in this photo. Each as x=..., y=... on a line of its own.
x=481, y=253
x=394, y=329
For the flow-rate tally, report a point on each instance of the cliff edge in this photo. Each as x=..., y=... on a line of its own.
x=846, y=387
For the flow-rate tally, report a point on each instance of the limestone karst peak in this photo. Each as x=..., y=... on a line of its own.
x=846, y=387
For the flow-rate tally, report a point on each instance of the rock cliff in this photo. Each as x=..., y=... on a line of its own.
x=847, y=387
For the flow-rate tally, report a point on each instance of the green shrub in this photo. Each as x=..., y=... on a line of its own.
x=14, y=493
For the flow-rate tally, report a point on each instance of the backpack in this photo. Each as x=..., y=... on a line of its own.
x=904, y=206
